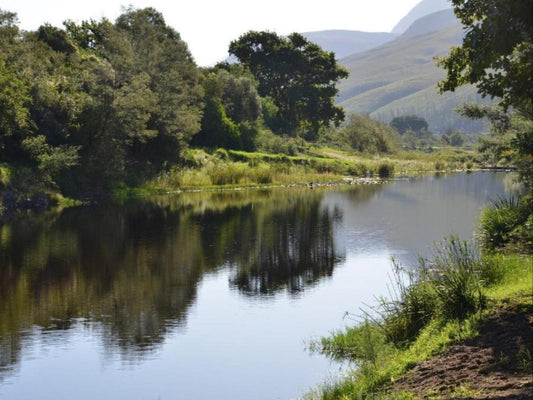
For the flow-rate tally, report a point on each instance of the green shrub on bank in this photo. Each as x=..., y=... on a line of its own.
x=446, y=287
x=385, y=170
x=508, y=223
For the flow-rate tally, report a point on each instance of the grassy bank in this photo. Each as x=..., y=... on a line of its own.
x=22, y=188
x=434, y=305
x=238, y=168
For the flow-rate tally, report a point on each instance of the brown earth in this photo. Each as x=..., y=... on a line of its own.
x=497, y=364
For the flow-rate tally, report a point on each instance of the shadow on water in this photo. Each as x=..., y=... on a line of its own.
x=131, y=271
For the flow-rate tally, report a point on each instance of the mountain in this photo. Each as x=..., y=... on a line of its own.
x=400, y=76
x=431, y=23
x=425, y=7
x=344, y=42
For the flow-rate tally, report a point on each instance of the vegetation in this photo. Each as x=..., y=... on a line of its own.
x=409, y=123
x=444, y=299
x=492, y=44
x=439, y=302
x=365, y=135
x=98, y=104
x=297, y=75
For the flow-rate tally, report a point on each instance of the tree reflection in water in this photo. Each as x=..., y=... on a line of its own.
x=131, y=270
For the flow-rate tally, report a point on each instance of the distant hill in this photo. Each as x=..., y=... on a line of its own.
x=431, y=23
x=400, y=76
x=425, y=7
x=344, y=42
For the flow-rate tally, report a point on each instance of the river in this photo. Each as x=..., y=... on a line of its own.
x=210, y=295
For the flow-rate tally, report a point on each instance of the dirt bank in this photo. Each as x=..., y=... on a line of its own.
x=497, y=364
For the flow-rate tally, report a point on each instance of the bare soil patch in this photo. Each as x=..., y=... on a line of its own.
x=497, y=364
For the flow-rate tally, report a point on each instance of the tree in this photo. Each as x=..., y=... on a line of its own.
x=496, y=52
x=366, y=135
x=145, y=86
x=231, y=112
x=496, y=55
x=412, y=123
x=297, y=75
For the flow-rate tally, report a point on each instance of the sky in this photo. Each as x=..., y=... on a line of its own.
x=208, y=26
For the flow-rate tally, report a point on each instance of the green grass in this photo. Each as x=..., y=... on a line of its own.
x=382, y=359
x=240, y=168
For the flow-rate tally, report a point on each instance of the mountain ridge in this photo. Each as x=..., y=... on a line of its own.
x=425, y=7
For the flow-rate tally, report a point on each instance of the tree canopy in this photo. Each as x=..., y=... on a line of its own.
x=497, y=51
x=298, y=76
x=96, y=102
x=497, y=56
x=412, y=123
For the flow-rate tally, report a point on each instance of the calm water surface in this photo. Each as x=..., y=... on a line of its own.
x=210, y=295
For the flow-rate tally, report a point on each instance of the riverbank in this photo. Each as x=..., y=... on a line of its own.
x=23, y=189
x=231, y=169
x=485, y=353
x=495, y=364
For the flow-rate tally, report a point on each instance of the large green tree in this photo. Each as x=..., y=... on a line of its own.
x=298, y=76
x=497, y=56
x=497, y=51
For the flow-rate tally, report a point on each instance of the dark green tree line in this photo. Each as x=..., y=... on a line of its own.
x=97, y=102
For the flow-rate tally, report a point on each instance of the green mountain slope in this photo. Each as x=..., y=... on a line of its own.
x=399, y=78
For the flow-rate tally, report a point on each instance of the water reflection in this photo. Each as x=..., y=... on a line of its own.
x=231, y=283
x=134, y=268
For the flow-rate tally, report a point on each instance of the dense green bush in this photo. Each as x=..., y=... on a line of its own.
x=385, y=170
x=508, y=223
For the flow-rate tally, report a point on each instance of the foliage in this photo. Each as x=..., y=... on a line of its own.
x=496, y=56
x=412, y=123
x=297, y=75
x=496, y=51
x=522, y=142
x=385, y=170
x=448, y=286
x=232, y=110
x=96, y=102
x=497, y=277
x=276, y=144
x=363, y=134
x=508, y=224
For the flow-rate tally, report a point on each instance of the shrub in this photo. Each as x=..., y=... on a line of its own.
x=449, y=286
x=505, y=222
x=263, y=173
x=385, y=170
x=411, y=307
x=362, y=343
x=456, y=269
x=440, y=166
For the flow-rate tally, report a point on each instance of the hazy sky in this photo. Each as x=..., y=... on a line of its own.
x=208, y=26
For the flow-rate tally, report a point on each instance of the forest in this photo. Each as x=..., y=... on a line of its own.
x=101, y=102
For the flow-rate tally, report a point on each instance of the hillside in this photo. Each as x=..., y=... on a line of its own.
x=425, y=7
x=400, y=76
x=344, y=43
x=431, y=23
